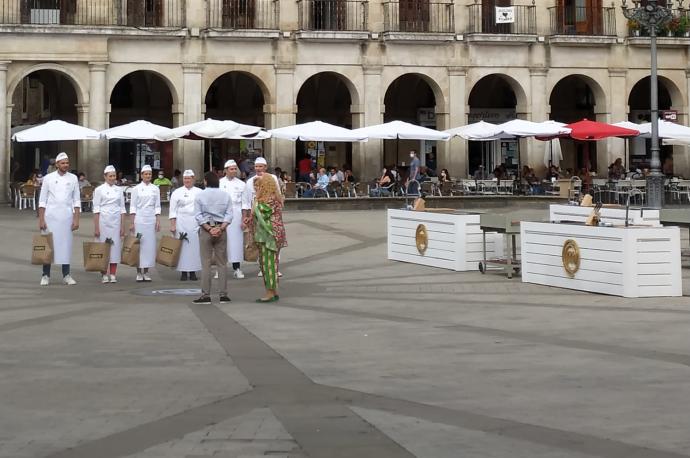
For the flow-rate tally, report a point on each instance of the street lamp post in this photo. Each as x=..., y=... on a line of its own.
x=652, y=15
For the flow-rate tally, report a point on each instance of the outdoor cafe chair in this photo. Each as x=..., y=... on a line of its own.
x=86, y=196
x=27, y=196
x=165, y=192
x=335, y=188
x=291, y=189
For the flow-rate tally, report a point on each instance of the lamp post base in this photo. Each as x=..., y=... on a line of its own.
x=655, y=190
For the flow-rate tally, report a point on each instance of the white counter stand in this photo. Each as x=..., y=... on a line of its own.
x=454, y=239
x=631, y=262
x=613, y=215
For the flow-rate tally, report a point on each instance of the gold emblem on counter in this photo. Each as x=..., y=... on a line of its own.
x=571, y=257
x=422, y=239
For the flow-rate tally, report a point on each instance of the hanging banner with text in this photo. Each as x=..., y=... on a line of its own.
x=505, y=14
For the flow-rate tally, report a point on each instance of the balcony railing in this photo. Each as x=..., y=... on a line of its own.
x=678, y=27
x=483, y=20
x=333, y=15
x=419, y=16
x=583, y=21
x=133, y=13
x=243, y=14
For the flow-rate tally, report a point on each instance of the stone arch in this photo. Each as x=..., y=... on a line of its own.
x=599, y=95
x=674, y=92
x=346, y=80
x=174, y=93
x=521, y=100
x=80, y=88
x=260, y=82
x=439, y=95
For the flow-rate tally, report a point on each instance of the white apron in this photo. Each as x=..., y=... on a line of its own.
x=182, y=209
x=145, y=205
x=109, y=203
x=59, y=196
x=235, y=188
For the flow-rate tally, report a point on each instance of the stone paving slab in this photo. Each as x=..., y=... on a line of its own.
x=362, y=357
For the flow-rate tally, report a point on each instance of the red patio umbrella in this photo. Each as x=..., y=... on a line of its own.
x=592, y=130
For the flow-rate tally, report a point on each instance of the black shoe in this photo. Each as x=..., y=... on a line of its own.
x=192, y=276
x=224, y=299
x=202, y=300
x=183, y=276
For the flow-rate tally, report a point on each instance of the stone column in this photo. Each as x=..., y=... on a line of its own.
x=97, y=153
x=5, y=116
x=192, y=150
x=283, y=151
x=368, y=158
x=455, y=159
x=615, y=147
x=538, y=109
x=81, y=160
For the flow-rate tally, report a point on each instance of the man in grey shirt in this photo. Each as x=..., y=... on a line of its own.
x=213, y=208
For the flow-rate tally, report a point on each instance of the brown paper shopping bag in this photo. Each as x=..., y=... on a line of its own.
x=96, y=256
x=168, y=253
x=130, y=251
x=42, y=249
x=251, y=251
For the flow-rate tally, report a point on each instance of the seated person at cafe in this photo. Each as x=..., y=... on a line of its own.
x=616, y=170
x=83, y=182
x=667, y=168
x=383, y=183
x=444, y=176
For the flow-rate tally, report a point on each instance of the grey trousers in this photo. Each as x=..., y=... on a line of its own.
x=213, y=250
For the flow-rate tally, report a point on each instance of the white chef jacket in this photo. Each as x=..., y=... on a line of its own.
x=145, y=205
x=235, y=188
x=60, y=196
x=109, y=203
x=250, y=192
x=182, y=209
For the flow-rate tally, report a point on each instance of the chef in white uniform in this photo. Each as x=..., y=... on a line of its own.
x=182, y=220
x=260, y=167
x=145, y=205
x=109, y=219
x=235, y=188
x=59, y=205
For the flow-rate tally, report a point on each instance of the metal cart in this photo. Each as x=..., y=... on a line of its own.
x=510, y=229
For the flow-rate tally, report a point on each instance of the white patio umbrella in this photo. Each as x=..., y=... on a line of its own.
x=136, y=130
x=402, y=130
x=212, y=129
x=644, y=129
x=478, y=131
x=317, y=131
x=56, y=131
x=522, y=128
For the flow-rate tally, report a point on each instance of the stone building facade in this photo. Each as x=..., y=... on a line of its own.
x=276, y=62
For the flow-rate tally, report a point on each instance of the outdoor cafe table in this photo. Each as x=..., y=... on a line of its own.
x=448, y=239
x=633, y=261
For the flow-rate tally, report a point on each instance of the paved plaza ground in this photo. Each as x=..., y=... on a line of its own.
x=361, y=358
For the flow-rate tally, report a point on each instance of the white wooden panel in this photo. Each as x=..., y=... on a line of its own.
x=432, y=262
x=433, y=244
x=429, y=253
x=630, y=262
x=430, y=226
x=440, y=236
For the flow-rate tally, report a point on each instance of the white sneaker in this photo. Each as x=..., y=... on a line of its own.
x=238, y=274
x=68, y=280
x=260, y=274
x=279, y=274
x=45, y=280
x=215, y=276
x=105, y=279
x=140, y=277
x=147, y=277
x=113, y=279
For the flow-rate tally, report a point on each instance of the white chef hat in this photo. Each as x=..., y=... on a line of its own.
x=108, y=169
x=230, y=163
x=61, y=157
x=146, y=168
x=260, y=161
x=188, y=173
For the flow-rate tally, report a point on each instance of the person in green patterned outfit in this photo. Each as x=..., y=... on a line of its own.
x=269, y=232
